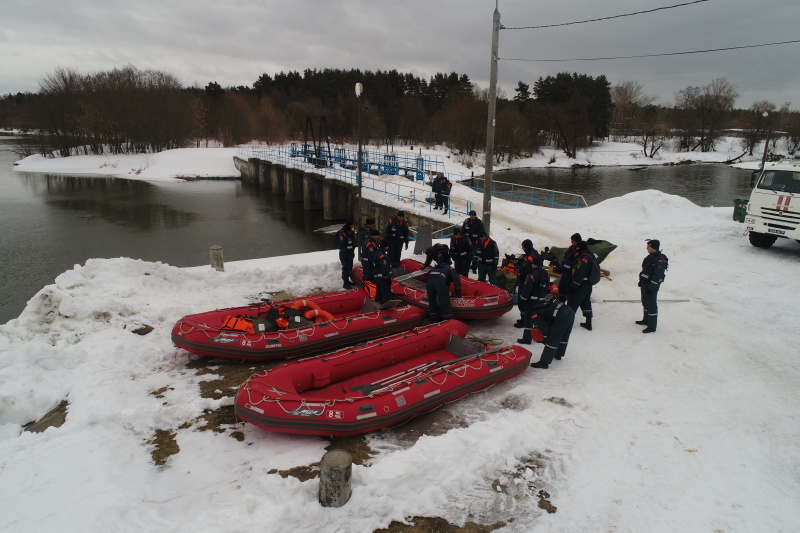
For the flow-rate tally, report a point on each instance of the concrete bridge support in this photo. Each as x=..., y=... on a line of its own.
x=337, y=201
x=313, y=199
x=293, y=183
x=276, y=178
x=263, y=174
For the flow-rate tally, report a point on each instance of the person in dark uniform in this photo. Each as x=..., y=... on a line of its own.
x=555, y=320
x=383, y=273
x=397, y=235
x=522, y=267
x=460, y=253
x=534, y=293
x=472, y=228
x=436, y=189
x=368, y=252
x=487, y=256
x=580, y=290
x=438, y=287
x=446, y=187
x=433, y=252
x=566, y=267
x=346, y=238
x=651, y=277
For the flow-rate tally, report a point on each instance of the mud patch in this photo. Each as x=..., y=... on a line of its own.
x=143, y=330
x=559, y=401
x=302, y=473
x=432, y=423
x=357, y=447
x=55, y=418
x=424, y=524
x=514, y=403
x=164, y=445
x=544, y=502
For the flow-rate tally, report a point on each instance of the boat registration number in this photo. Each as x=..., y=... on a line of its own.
x=335, y=415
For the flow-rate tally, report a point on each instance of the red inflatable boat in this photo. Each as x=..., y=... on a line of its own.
x=377, y=385
x=478, y=299
x=291, y=328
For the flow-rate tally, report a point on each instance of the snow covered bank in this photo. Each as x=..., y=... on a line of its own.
x=693, y=428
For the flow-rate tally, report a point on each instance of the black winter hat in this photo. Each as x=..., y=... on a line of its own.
x=384, y=243
x=576, y=237
x=401, y=213
x=654, y=243
x=473, y=213
x=582, y=246
x=374, y=232
x=527, y=245
x=349, y=222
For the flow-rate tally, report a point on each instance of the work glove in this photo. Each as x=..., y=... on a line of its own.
x=406, y=246
x=458, y=293
x=474, y=270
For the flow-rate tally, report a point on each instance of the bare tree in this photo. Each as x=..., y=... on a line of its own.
x=629, y=100
x=754, y=125
x=654, y=130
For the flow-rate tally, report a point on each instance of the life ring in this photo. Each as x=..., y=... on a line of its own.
x=304, y=304
x=318, y=315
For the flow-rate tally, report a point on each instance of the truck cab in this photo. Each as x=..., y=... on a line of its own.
x=773, y=210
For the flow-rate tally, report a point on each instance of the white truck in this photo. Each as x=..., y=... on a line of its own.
x=773, y=210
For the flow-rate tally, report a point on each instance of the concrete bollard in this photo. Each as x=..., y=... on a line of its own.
x=216, y=258
x=334, y=478
x=424, y=239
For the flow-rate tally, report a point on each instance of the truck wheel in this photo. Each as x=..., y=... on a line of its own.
x=762, y=240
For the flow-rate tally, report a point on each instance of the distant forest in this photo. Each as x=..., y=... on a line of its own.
x=128, y=110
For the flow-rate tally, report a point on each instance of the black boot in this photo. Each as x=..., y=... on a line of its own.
x=643, y=321
x=347, y=285
x=539, y=364
x=648, y=329
x=518, y=324
x=587, y=324
x=526, y=337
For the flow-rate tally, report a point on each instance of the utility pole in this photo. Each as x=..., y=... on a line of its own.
x=357, y=217
x=490, y=123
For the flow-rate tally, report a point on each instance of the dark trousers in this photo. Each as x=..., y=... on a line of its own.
x=437, y=199
x=346, y=259
x=395, y=251
x=555, y=343
x=446, y=201
x=383, y=290
x=368, y=272
x=650, y=305
x=485, y=270
x=439, y=307
x=581, y=297
x=461, y=265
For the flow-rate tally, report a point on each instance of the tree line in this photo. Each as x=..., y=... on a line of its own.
x=127, y=110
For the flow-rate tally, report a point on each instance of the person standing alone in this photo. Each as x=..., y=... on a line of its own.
x=580, y=290
x=654, y=268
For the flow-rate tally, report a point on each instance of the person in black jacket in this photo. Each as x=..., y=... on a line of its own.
x=438, y=287
x=436, y=189
x=383, y=273
x=580, y=290
x=566, y=266
x=433, y=252
x=397, y=235
x=472, y=229
x=346, y=238
x=555, y=320
x=460, y=253
x=487, y=256
x=651, y=277
x=446, y=187
x=533, y=294
x=368, y=253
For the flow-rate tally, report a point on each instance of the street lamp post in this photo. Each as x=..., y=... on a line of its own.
x=490, y=124
x=357, y=217
x=765, y=114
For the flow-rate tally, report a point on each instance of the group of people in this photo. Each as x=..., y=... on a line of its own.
x=545, y=307
x=441, y=186
x=378, y=256
x=551, y=309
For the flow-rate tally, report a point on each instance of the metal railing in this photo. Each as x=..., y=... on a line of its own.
x=515, y=192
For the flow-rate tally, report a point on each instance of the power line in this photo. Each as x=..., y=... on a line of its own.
x=650, y=55
x=603, y=18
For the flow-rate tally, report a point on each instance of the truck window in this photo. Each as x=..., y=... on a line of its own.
x=780, y=180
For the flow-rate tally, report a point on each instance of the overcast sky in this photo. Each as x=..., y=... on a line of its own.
x=233, y=42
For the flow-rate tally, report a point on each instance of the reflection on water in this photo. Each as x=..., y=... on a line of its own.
x=52, y=222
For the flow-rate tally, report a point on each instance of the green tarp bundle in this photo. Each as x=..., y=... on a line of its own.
x=599, y=248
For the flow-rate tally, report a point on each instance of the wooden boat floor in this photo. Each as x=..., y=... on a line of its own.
x=353, y=387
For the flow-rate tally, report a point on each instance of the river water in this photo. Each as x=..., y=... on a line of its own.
x=52, y=222
x=709, y=185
